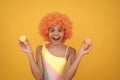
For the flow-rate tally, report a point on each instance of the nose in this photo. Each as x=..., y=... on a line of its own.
x=56, y=32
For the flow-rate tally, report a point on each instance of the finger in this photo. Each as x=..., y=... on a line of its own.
x=81, y=46
x=83, y=43
x=27, y=41
x=89, y=48
x=21, y=44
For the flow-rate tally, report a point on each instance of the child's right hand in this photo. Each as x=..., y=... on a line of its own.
x=25, y=47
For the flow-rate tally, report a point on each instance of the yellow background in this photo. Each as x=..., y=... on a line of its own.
x=98, y=20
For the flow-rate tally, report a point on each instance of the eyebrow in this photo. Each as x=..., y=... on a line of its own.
x=54, y=28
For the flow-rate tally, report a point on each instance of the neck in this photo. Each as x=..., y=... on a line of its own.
x=56, y=45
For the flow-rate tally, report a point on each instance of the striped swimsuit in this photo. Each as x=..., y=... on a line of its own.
x=53, y=66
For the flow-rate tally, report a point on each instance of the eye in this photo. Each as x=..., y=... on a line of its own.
x=51, y=30
x=60, y=30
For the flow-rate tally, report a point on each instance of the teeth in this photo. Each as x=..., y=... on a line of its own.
x=56, y=38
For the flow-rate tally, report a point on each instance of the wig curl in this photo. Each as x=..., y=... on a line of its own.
x=55, y=19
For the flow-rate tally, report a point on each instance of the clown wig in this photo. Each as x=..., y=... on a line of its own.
x=55, y=19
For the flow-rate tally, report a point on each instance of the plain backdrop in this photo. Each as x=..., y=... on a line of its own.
x=98, y=20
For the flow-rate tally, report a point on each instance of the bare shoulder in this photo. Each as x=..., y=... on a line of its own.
x=71, y=55
x=39, y=47
x=71, y=52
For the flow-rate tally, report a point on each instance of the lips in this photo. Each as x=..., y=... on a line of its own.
x=56, y=38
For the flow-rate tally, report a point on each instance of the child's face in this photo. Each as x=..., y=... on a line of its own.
x=56, y=34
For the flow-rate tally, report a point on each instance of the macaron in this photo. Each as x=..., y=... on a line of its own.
x=87, y=41
x=23, y=38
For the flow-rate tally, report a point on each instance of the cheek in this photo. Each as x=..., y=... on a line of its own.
x=62, y=34
x=49, y=35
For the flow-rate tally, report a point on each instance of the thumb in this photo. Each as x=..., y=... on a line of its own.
x=27, y=41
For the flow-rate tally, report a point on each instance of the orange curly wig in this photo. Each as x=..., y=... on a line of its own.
x=55, y=19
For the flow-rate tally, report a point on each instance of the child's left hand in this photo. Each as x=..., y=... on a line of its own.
x=85, y=50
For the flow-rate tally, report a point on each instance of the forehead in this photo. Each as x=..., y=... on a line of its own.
x=55, y=27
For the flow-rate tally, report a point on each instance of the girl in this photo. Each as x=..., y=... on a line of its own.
x=55, y=60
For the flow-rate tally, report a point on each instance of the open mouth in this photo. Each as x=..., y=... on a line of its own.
x=56, y=39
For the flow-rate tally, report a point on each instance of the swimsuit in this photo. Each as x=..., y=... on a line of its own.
x=53, y=66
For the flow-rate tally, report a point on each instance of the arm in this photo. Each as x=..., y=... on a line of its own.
x=73, y=62
x=70, y=59
x=35, y=67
